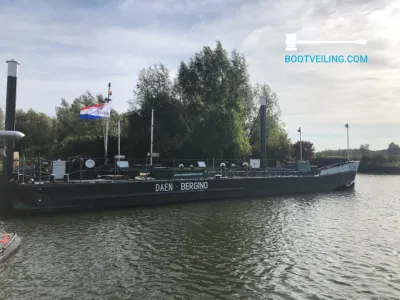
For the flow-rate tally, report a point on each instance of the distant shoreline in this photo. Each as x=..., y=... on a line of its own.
x=377, y=169
x=364, y=168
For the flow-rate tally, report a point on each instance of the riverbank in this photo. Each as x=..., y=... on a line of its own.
x=378, y=169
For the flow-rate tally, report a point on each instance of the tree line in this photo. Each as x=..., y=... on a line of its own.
x=209, y=110
x=389, y=156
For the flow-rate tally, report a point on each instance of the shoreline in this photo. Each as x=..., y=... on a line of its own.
x=379, y=170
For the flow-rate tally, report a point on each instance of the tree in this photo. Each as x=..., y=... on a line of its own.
x=308, y=150
x=39, y=132
x=278, y=143
x=365, y=159
x=364, y=149
x=154, y=89
x=379, y=158
x=2, y=119
x=393, y=149
x=217, y=98
x=68, y=124
x=393, y=152
x=340, y=153
x=209, y=110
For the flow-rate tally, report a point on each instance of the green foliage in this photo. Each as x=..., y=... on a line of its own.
x=216, y=96
x=355, y=154
x=393, y=158
x=379, y=158
x=278, y=143
x=307, y=150
x=155, y=90
x=209, y=110
x=38, y=129
x=83, y=145
x=386, y=157
x=68, y=122
x=393, y=149
x=1, y=119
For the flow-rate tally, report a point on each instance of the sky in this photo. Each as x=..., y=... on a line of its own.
x=67, y=47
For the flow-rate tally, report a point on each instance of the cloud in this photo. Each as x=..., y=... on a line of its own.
x=68, y=47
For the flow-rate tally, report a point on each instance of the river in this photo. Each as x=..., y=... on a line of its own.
x=342, y=245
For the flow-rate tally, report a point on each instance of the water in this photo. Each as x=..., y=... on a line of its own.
x=344, y=245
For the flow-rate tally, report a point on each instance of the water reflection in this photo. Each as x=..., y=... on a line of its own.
x=339, y=245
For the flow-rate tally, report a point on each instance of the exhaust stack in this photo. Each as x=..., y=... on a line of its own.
x=11, y=97
x=263, y=131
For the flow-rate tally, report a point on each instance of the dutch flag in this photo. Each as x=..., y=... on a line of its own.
x=97, y=111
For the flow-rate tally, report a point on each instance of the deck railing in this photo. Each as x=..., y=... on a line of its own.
x=78, y=169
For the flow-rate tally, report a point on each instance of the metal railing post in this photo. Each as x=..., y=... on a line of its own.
x=115, y=170
x=19, y=162
x=80, y=169
x=23, y=171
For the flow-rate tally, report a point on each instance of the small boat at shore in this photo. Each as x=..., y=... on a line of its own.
x=9, y=245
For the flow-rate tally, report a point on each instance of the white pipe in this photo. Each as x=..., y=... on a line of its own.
x=11, y=134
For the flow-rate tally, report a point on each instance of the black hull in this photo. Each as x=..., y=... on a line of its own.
x=59, y=197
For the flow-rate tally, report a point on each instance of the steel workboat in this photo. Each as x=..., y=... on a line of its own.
x=169, y=185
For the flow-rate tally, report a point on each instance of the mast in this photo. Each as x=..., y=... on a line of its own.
x=301, y=150
x=119, y=142
x=106, y=126
x=151, y=138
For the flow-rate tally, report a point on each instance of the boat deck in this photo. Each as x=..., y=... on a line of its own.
x=124, y=180
x=178, y=176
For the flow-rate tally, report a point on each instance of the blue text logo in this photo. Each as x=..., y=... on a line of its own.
x=326, y=59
